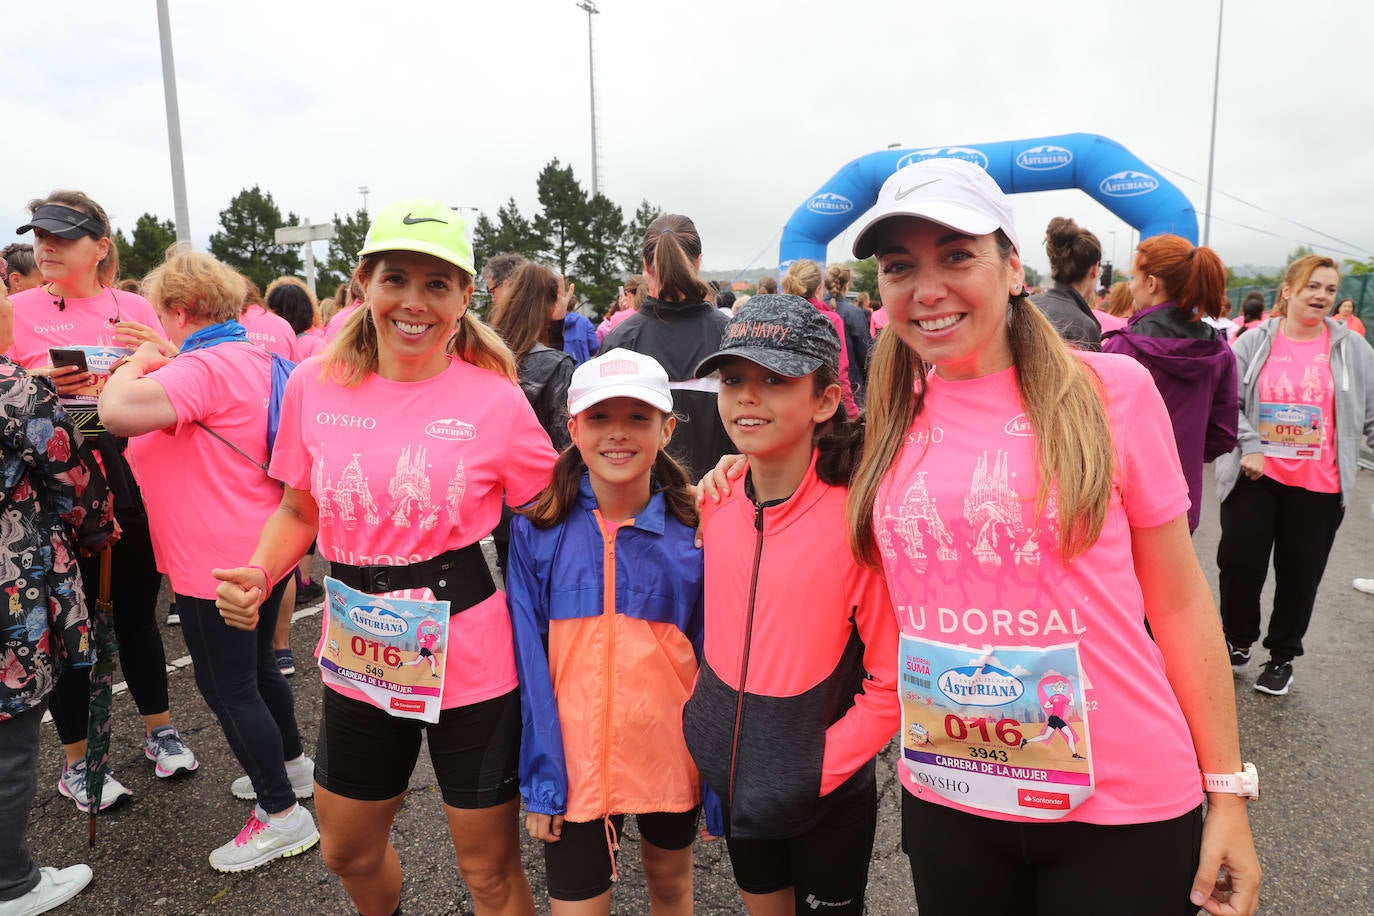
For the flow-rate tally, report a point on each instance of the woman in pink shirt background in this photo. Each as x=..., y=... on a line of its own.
x=395, y=448
x=198, y=443
x=1026, y=501
x=78, y=306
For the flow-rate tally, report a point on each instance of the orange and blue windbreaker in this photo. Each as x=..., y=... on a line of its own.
x=607, y=620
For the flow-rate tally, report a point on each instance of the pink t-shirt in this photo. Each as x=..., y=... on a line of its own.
x=611, y=321
x=1108, y=321
x=335, y=325
x=39, y=324
x=405, y=471
x=968, y=566
x=878, y=321
x=270, y=331
x=310, y=343
x=207, y=503
x=1297, y=374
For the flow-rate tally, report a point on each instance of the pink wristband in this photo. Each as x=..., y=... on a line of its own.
x=266, y=578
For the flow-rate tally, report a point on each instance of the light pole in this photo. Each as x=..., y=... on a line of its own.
x=363, y=189
x=591, y=8
x=1212, y=148
x=169, y=92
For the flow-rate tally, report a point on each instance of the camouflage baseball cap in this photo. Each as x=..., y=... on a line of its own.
x=783, y=333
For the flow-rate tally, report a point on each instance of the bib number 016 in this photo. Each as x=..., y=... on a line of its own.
x=1007, y=731
x=363, y=648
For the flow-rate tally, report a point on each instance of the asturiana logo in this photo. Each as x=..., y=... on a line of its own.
x=1044, y=158
x=968, y=154
x=451, y=429
x=829, y=202
x=378, y=621
x=980, y=685
x=1129, y=183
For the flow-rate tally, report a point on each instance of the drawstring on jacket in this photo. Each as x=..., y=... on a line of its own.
x=612, y=843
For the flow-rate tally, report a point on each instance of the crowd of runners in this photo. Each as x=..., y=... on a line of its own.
x=742, y=544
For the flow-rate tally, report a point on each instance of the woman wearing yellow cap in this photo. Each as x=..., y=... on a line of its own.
x=395, y=448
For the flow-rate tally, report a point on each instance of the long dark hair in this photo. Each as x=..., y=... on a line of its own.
x=839, y=441
x=671, y=247
x=556, y=503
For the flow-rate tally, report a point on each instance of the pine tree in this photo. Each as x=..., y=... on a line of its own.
x=246, y=239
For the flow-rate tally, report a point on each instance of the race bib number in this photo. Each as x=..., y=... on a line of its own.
x=1001, y=730
x=390, y=648
x=1290, y=431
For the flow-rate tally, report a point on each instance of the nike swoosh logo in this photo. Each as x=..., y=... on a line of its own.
x=913, y=189
x=412, y=220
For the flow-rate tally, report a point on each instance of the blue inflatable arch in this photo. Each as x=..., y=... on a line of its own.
x=1101, y=168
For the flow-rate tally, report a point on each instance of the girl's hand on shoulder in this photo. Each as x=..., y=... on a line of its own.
x=546, y=827
x=716, y=484
x=239, y=595
x=1228, y=875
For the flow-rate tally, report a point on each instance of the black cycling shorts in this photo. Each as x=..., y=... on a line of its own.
x=579, y=864
x=368, y=755
x=826, y=867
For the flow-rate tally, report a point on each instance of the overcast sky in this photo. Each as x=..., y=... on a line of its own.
x=731, y=111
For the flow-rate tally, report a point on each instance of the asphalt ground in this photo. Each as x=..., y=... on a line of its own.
x=1314, y=826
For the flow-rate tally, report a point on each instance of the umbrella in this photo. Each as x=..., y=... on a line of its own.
x=102, y=676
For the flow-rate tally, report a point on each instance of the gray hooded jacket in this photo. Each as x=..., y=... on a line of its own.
x=1352, y=370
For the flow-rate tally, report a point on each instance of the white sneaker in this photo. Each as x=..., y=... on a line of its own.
x=300, y=771
x=55, y=887
x=165, y=748
x=263, y=839
x=1364, y=585
x=72, y=784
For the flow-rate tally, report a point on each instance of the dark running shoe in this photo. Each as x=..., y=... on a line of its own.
x=1239, y=657
x=286, y=662
x=1276, y=676
x=309, y=592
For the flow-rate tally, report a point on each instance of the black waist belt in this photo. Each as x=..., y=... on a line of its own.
x=460, y=577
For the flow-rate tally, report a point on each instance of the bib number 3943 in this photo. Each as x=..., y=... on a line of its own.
x=1002, y=730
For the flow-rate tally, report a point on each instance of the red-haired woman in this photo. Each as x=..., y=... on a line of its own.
x=1174, y=285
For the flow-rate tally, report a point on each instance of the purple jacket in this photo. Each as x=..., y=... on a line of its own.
x=1196, y=376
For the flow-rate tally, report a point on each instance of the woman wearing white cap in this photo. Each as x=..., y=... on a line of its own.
x=79, y=316
x=1027, y=507
x=395, y=448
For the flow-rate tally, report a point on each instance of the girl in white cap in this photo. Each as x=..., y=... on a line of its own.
x=1027, y=507
x=395, y=447
x=606, y=594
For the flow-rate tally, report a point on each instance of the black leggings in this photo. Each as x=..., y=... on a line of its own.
x=1298, y=527
x=1061, y=868
x=134, y=584
x=238, y=676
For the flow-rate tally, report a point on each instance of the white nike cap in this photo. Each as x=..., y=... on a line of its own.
x=950, y=192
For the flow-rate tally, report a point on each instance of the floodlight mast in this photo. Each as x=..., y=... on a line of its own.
x=169, y=91
x=592, y=10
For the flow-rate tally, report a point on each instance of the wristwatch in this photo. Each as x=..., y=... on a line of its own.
x=1245, y=783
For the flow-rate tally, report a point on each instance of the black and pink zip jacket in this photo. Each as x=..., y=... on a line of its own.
x=797, y=691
